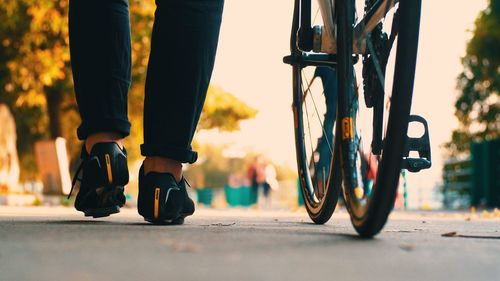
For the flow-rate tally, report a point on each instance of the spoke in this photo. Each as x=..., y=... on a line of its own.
x=308, y=90
x=317, y=113
x=310, y=134
x=316, y=15
x=324, y=182
x=369, y=167
x=376, y=62
x=322, y=127
x=386, y=119
x=355, y=97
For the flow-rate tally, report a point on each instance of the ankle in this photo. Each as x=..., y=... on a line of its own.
x=163, y=165
x=103, y=137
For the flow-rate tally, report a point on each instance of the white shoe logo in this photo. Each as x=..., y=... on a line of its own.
x=168, y=193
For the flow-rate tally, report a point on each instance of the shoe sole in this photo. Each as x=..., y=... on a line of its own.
x=177, y=221
x=109, y=210
x=102, y=212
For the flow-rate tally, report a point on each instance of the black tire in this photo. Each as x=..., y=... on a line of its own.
x=370, y=207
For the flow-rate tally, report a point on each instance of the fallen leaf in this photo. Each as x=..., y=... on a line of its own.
x=407, y=247
x=403, y=231
x=222, y=224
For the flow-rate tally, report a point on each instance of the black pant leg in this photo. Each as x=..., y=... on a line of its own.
x=183, y=47
x=99, y=32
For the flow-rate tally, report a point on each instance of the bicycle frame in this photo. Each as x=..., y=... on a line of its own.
x=322, y=39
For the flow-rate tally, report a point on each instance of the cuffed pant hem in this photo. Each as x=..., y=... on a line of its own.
x=180, y=154
x=104, y=125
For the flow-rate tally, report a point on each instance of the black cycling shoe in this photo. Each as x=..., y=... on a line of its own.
x=162, y=200
x=103, y=176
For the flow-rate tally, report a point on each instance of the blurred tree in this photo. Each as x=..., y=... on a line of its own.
x=40, y=71
x=212, y=169
x=216, y=165
x=478, y=105
x=36, y=81
x=31, y=71
x=223, y=111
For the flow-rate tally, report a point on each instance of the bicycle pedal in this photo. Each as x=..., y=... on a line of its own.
x=421, y=145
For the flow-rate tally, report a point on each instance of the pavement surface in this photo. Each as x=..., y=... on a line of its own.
x=56, y=243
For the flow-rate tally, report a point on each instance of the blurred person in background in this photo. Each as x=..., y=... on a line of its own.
x=262, y=176
x=256, y=175
x=183, y=46
x=270, y=183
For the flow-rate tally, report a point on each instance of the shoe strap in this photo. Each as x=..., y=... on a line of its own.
x=85, y=157
x=186, y=181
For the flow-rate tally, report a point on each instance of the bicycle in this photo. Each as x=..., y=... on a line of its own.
x=352, y=136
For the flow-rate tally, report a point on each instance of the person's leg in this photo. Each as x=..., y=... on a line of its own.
x=100, y=58
x=183, y=47
x=267, y=197
x=99, y=33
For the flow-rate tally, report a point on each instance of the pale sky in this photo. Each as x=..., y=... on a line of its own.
x=255, y=36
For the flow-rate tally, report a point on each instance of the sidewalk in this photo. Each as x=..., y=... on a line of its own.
x=41, y=243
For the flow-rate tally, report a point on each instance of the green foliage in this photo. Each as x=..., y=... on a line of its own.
x=478, y=105
x=36, y=81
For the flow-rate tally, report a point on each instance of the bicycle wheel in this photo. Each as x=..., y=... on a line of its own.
x=374, y=113
x=314, y=108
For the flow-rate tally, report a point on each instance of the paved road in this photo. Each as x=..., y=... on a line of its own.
x=58, y=244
